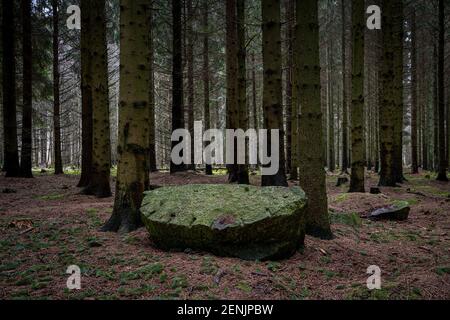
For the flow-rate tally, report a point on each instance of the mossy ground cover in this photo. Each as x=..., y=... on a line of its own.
x=34, y=257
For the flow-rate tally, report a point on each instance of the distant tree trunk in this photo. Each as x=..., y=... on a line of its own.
x=344, y=151
x=294, y=91
x=232, y=121
x=243, y=177
x=442, y=174
x=133, y=150
x=11, y=165
x=388, y=103
x=414, y=149
x=357, y=174
x=290, y=14
x=177, y=79
x=27, y=109
x=206, y=84
x=398, y=93
x=56, y=98
x=331, y=143
x=101, y=146
x=307, y=67
x=152, y=144
x=190, y=77
x=254, y=95
x=272, y=95
x=86, y=95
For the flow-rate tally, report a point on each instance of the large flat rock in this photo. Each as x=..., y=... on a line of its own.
x=246, y=222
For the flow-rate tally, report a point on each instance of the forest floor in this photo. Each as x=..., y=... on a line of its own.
x=46, y=226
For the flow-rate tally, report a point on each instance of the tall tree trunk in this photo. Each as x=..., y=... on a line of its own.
x=398, y=92
x=27, y=109
x=414, y=149
x=331, y=142
x=357, y=174
x=345, y=137
x=152, y=144
x=442, y=174
x=232, y=117
x=56, y=98
x=290, y=17
x=243, y=177
x=133, y=150
x=206, y=82
x=177, y=79
x=86, y=94
x=101, y=146
x=190, y=76
x=388, y=103
x=272, y=95
x=294, y=91
x=307, y=67
x=11, y=165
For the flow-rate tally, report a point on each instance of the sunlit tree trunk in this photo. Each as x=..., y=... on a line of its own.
x=134, y=124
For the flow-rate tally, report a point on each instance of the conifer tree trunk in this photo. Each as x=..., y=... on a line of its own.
x=206, y=82
x=358, y=163
x=442, y=170
x=414, y=149
x=290, y=14
x=177, y=78
x=345, y=138
x=11, y=165
x=190, y=77
x=86, y=94
x=312, y=173
x=294, y=107
x=101, y=145
x=27, y=108
x=272, y=95
x=398, y=92
x=133, y=149
x=388, y=103
x=56, y=87
x=152, y=144
x=243, y=177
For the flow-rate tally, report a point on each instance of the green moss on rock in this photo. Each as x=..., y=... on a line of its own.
x=247, y=222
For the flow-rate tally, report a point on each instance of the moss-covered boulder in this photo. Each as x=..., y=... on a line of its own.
x=398, y=211
x=246, y=222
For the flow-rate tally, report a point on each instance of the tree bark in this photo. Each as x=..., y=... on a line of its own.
x=206, y=82
x=190, y=76
x=307, y=67
x=86, y=95
x=133, y=150
x=358, y=163
x=272, y=95
x=243, y=177
x=11, y=165
x=152, y=144
x=101, y=145
x=398, y=92
x=414, y=149
x=442, y=174
x=56, y=91
x=27, y=109
x=388, y=103
x=177, y=79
